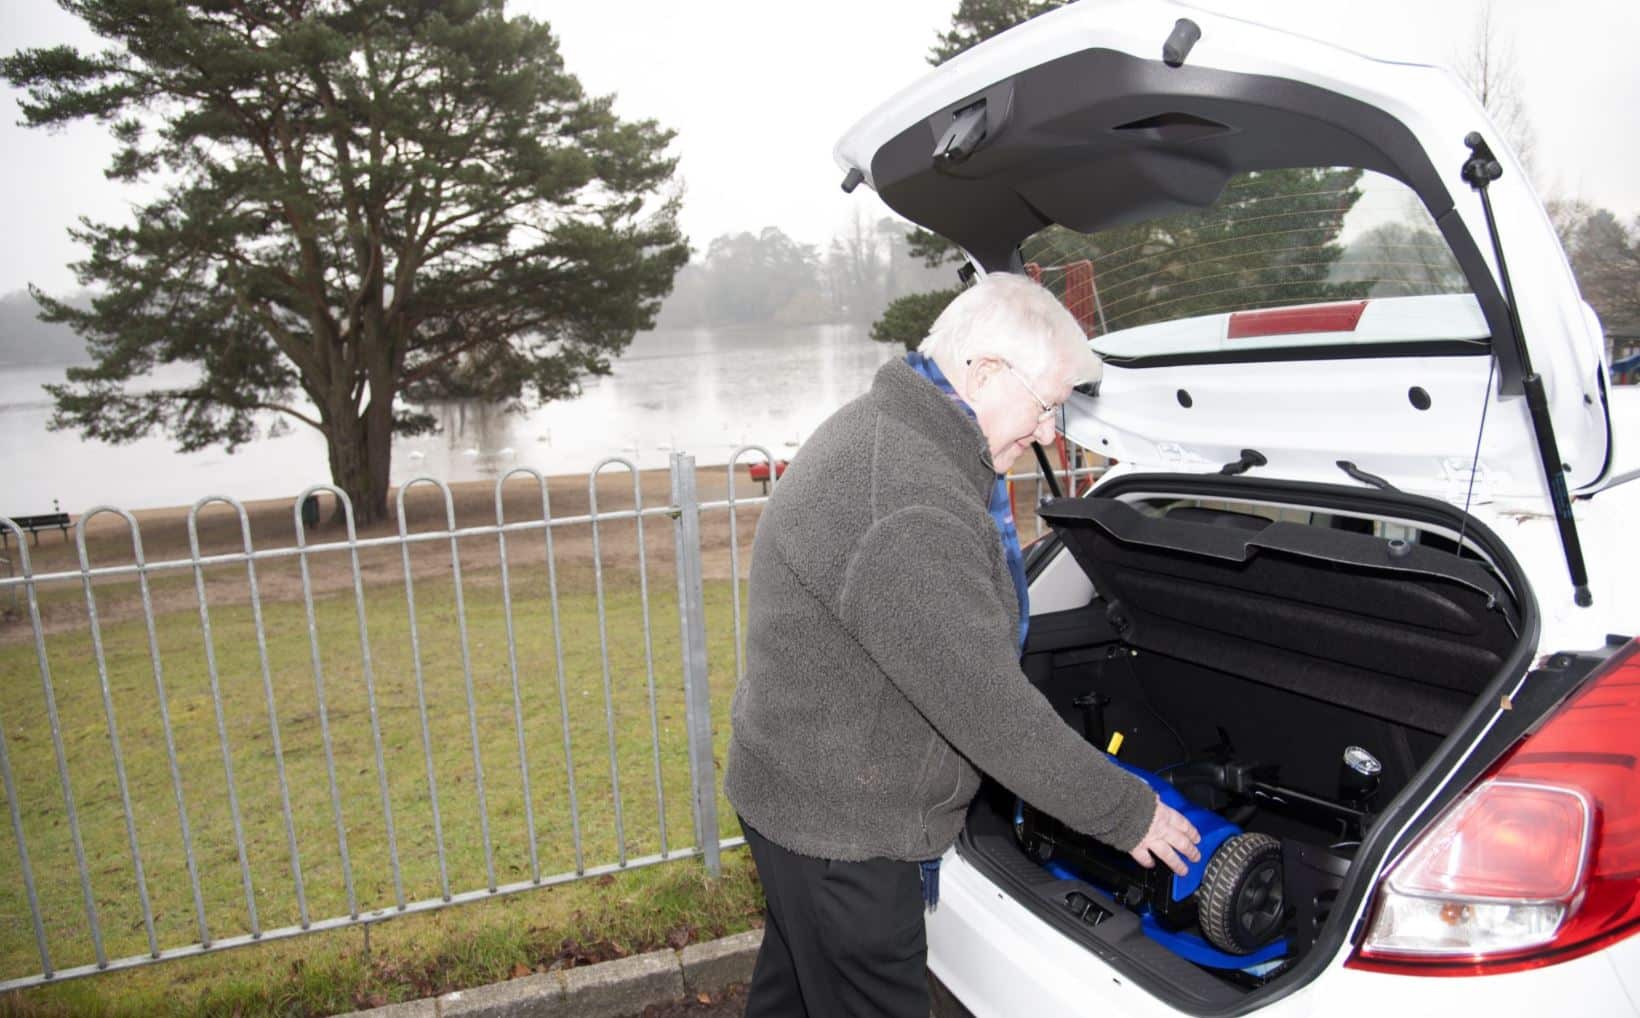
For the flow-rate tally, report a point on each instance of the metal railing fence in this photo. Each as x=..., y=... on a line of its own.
x=255, y=777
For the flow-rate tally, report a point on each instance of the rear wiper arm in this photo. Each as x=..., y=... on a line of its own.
x=1479, y=170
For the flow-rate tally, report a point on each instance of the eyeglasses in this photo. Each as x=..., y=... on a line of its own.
x=1048, y=409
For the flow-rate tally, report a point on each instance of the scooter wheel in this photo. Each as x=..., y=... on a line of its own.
x=1241, y=897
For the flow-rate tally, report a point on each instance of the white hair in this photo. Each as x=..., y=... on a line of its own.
x=1013, y=318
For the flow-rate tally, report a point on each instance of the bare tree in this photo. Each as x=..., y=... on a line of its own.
x=1603, y=250
x=855, y=266
x=1566, y=215
x=1490, y=67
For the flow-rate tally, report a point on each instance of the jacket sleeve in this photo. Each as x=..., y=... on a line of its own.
x=921, y=599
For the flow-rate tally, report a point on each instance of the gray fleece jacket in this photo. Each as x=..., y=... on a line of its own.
x=882, y=668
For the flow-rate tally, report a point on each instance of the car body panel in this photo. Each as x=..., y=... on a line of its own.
x=1000, y=960
x=1401, y=321
x=1605, y=524
x=1304, y=418
x=1624, y=958
x=1623, y=405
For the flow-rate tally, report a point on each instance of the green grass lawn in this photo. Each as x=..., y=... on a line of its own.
x=424, y=955
x=199, y=761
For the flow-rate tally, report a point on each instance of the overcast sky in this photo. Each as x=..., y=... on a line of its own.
x=758, y=91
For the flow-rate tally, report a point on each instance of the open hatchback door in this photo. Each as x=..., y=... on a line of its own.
x=1189, y=178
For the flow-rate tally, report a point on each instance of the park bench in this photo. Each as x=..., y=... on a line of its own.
x=35, y=524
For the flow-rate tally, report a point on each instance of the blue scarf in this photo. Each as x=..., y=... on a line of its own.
x=1002, y=509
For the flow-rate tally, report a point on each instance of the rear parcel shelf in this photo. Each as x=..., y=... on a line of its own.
x=1386, y=627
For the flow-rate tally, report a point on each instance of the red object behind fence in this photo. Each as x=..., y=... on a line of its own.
x=759, y=472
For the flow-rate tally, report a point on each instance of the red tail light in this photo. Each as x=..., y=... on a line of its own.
x=1539, y=862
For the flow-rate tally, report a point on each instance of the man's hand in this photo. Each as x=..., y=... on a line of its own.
x=1169, y=837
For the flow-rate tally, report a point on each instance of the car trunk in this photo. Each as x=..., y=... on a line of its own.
x=1239, y=623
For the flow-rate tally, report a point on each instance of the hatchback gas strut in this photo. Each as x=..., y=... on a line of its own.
x=1047, y=470
x=1479, y=170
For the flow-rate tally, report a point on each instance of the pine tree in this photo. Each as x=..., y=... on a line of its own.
x=361, y=199
x=977, y=20
x=1271, y=239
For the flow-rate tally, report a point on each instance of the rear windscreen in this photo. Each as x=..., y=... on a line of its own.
x=1287, y=257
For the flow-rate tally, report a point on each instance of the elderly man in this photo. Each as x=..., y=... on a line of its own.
x=887, y=619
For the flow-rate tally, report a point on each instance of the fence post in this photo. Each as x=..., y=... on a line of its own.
x=696, y=690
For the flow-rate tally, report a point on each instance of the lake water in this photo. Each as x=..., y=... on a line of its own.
x=701, y=391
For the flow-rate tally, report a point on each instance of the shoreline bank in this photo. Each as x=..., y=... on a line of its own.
x=165, y=541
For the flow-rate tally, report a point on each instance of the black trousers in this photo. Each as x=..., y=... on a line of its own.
x=839, y=938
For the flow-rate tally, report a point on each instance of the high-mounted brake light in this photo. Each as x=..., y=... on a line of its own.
x=1539, y=862
x=1291, y=321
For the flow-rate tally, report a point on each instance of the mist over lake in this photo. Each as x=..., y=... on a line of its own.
x=704, y=391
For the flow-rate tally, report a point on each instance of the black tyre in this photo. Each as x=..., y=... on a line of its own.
x=1241, y=900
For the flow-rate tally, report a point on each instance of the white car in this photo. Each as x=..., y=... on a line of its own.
x=1362, y=584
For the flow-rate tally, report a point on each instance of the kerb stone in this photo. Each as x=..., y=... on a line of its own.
x=709, y=967
x=537, y=996
x=622, y=987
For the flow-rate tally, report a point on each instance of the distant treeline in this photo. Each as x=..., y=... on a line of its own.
x=746, y=278
x=740, y=279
